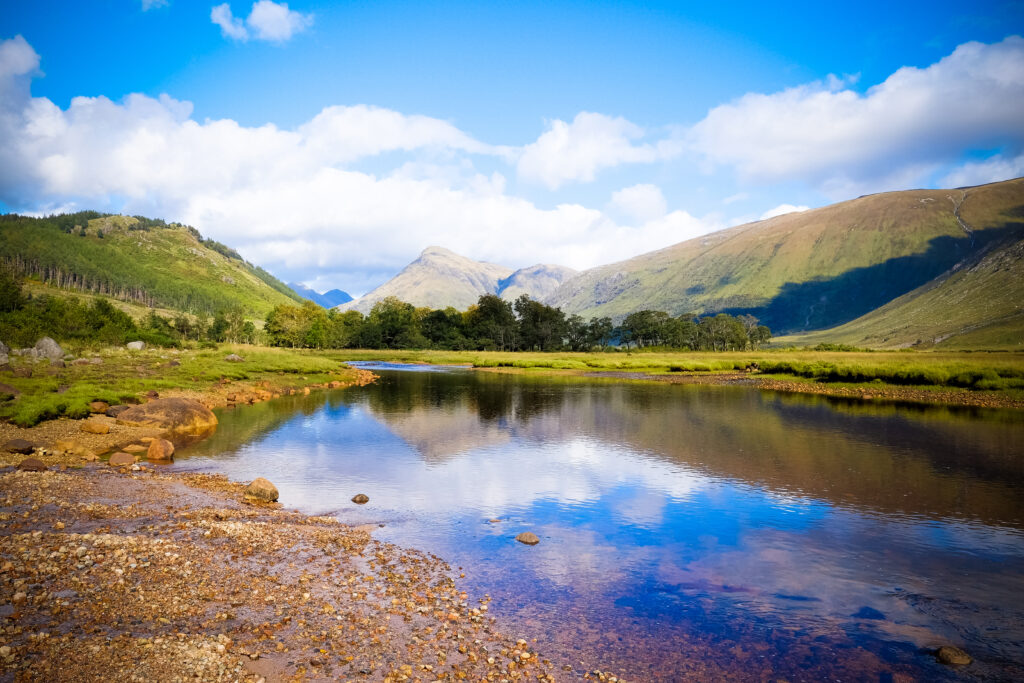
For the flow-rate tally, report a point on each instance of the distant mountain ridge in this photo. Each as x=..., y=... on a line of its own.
x=440, y=278
x=330, y=299
x=816, y=269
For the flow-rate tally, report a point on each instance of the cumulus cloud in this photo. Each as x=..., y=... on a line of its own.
x=782, y=210
x=988, y=171
x=642, y=202
x=843, y=141
x=577, y=151
x=267, y=20
x=297, y=199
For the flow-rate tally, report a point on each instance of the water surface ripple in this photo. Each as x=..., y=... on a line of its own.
x=686, y=531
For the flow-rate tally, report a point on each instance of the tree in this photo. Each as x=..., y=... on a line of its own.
x=11, y=298
x=600, y=331
x=492, y=323
x=395, y=323
x=541, y=327
x=760, y=335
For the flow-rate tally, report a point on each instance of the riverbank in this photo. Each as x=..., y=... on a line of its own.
x=131, y=576
x=981, y=379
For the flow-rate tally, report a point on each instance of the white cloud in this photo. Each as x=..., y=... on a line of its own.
x=887, y=138
x=230, y=27
x=781, y=210
x=267, y=20
x=291, y=198
x=151, y=4
x=988, y=171
x=642, y=202
x=577, y=151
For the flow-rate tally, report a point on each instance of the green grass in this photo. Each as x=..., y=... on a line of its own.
x=125, y=376
x=999, y=371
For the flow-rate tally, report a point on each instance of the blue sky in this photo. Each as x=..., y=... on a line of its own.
x=331, y=142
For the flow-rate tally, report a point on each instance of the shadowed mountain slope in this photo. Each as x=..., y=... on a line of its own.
x=811, y=270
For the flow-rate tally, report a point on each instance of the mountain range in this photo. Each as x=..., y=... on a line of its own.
x=439, y=278
x=330, y=299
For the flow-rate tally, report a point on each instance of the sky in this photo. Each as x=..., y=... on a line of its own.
x=331, y=143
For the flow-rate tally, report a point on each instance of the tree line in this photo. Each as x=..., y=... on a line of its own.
x=496, y=324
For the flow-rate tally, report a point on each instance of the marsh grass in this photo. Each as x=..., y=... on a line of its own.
x=125, y=376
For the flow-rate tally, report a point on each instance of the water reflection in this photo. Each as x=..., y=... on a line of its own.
x=685, y=530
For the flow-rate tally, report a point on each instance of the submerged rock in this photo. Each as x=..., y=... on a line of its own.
x=121, y=459
x=171, y=414
x=528, y=537
x=952, y=656
x=261, y=490
x=360, y=499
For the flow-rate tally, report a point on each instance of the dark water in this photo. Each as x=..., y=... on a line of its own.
x=686, y=531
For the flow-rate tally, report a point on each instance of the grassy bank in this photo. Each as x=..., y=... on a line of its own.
x=1001, y=372
x=122, y=376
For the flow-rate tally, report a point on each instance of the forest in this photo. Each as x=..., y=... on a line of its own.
x=496, y=324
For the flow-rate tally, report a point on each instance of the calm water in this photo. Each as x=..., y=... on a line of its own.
x=686, y=531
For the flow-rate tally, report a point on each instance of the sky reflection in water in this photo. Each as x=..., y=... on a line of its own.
x=676, y=523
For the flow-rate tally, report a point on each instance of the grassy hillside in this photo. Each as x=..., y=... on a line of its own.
x=810, y=270
x=138, y=260
x=978, y=305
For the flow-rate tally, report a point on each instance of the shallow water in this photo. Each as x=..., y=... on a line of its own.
x=686, y=531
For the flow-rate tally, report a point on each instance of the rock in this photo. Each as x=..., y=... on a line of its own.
x=160, y=449
x=4, y=359
x=90, y=457
x=528, y=537
x=8, y=389
x=115, y=411
x=99, y=406
x=136, y=345
x=96, y=360
x=19, y=446
x=134, y=448
x=261, y=490
x=952, y=656
x=360, y=499
x=4, y=348
x=171, y=414
x=23, y=373
x=32, y=465
x=81, y=361
x=122, y=459
x=57, y=363
x=174, y=364
x=152, y=393
x=334, y=384
x=234, y=358
x=95, y=427
x=47, y=348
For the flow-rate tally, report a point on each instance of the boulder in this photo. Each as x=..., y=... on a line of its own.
x=4, y=348
x=136, y=345
x=121, y=459
x=8, y=389
x=171, y=414
x=134, y=448
x=360, y=499
x=95, y=427
x=98, y=406
x=952, y=656
x=115, y=411
x=19, y=446
x=528, y=537
x=261, y=490
x=47, y=348
x=57, y=363
x=32, y=465
x=160, y=450
x=4, y=359
x=234, y=358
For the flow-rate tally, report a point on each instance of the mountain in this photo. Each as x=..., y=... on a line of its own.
x=440, y=278
x=538, y=282
x=139, y=260
x=977, y=304
x=330, y=299
x=815, y=269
